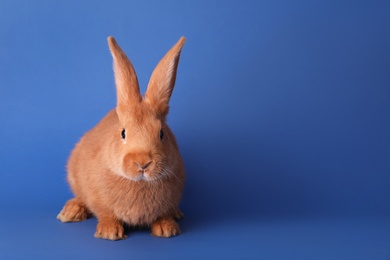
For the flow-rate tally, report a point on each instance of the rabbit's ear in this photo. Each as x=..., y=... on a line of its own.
x=125, y=78
x=163, y=79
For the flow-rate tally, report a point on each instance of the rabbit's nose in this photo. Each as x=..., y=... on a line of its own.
x=143, y=167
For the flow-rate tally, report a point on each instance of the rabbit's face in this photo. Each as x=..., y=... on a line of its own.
x=143, y=145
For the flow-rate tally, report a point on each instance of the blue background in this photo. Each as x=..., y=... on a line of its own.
x=281, y=110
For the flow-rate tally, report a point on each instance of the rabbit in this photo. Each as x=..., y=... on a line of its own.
x=128, y=170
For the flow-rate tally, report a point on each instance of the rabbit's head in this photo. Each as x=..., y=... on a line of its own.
x=145, y=142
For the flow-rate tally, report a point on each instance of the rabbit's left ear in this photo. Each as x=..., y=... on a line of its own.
x=126, y=81
x=163, y=79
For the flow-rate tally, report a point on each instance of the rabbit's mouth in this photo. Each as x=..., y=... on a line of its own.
x=141, y=175
x=144, y=176
x=148, y=172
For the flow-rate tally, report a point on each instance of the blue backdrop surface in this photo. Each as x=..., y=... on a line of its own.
x=281, y=110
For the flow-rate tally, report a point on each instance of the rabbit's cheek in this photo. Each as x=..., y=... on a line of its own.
x=129, y=171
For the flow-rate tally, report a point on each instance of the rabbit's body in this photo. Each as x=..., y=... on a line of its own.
x=128, y=168
x=135, y=203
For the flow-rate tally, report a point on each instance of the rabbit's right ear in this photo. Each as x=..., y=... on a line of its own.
x=163, y=79
x=126, y=81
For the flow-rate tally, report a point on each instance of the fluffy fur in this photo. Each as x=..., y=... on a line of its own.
x=137, y=180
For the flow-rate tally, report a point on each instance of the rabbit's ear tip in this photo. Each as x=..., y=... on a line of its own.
x=182, y=39
x=110, y=39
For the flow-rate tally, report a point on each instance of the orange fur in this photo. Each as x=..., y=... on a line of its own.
x=138, y=180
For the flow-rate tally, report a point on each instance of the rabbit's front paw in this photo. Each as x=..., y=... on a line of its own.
x=165, y=227
x=110, y=230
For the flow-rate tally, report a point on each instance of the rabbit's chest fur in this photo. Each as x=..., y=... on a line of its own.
x=141, y=203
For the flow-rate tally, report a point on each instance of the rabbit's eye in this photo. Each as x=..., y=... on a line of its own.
x=123, y=134
x=161, y=134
